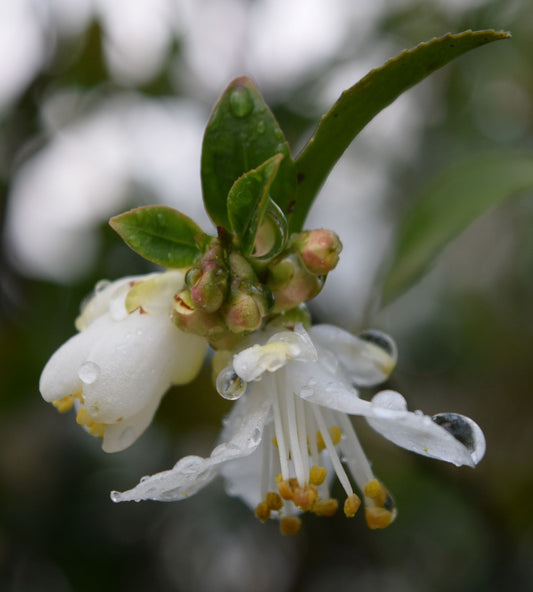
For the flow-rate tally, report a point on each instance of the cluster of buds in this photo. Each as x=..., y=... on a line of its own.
x=298, y=274
x=227, y=295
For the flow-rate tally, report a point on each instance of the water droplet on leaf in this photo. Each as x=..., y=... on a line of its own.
x=241, y=102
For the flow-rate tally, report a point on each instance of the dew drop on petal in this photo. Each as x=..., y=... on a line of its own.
x=100, y=287
x=115, y=496
x=189, y=464
x=465, y=431
x=88, y=372
x=381, y=340
x=230, y=385
x=255, y=437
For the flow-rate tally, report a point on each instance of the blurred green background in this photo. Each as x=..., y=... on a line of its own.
x=101, y=107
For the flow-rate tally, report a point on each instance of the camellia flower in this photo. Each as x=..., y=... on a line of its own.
x=290, y=432
x=127, y=354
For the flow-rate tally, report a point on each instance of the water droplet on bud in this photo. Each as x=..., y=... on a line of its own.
x=230, y=385
x=88, y=372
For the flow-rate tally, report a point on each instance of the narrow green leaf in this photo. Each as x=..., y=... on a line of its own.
x=242, y=134
x=160, y=234
x=452, y=201
x=358, y=105
x=248, y=199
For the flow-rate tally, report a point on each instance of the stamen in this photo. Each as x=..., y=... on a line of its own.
x=64, y=404
x=302, y=433
x=290, y=525
x=317, y=475
x=278, y=427
x=351, y=505
x=326, y=507
x=296, y=453
x=274, y=501
x=335, y=435
x=380, y=509
x=353, y=453
x=266, y=465
x=311, y=442
x=262, y=511
x=84, y=418
x=341, y=473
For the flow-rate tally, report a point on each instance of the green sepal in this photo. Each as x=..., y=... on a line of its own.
x=453, y=200
x=241, y=134
x=248, y=199
x=358, y=105
x=160, y=234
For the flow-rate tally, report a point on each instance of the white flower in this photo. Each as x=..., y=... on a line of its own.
x=291, y=428
x=127, y=354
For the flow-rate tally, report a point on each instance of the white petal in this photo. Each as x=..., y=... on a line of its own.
x=60, y=375
x=130, y=363
x=251, y=363
x=419, y=433
x=368, y=358
x=243, y=431
x=119, y=436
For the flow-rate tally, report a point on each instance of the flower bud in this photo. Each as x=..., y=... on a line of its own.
x=190, y=319
x=318, y=249
x=291, y=283
x=242, y=312
x=208, y=280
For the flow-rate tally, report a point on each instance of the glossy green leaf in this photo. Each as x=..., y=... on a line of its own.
x=242, y=134
x=248, y=199
x=452, y=201
x=358, y=105
x=160, y=234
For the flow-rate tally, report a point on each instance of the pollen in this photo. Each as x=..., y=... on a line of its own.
x=84, y=418
x=274, y=501
x=64, y=404
x=327, y=507
x=317, y=475
x=335, y=435
x=351, y=505
x=378, y=517
x=377, y=492
x=262, y=511
x=304, y=497
x=290, y=525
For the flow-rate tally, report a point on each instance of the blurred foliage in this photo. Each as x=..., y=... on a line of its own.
x=465, y=345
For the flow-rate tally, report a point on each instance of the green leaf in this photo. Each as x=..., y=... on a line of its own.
x=242, y=134
x=452, y=201
x=358, y=105
x=248, y=199
x=160, y=234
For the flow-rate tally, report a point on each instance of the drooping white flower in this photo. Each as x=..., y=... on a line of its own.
x=290, y=432
x=127, y=354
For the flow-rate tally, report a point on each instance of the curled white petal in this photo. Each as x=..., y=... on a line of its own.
x=419, y=433
x=240, y=438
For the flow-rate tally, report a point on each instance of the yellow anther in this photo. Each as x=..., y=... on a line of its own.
x=326, y=507
x=275, y=441
x=304, y=497
x=317, y=475
x=97, y=429
x=378, y=517
x=284, y=488
x=64, y=404
x=335, y=435
x=262, y=511
x=84, y=418
x=274, y=501
x=78, y=395
x=290, y=525
x=351, y=505
x=376, y=492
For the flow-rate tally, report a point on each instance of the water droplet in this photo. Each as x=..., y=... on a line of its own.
x=189, y=464
x=275, y=227
x=381, y=340
x=88, y=372
x=460, y=427
x=230, y=385
x=145, y=478
x=101, y=286
x=241, y=102
x=115, y=496
x=261, y=126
